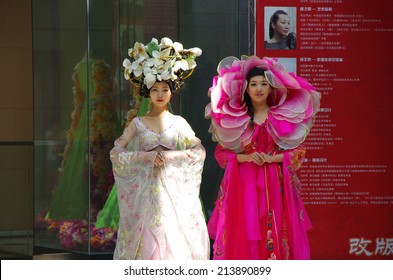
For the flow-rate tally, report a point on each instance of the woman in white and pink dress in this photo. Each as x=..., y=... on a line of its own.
x=157, y=164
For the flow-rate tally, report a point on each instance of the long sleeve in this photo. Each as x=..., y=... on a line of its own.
x=133, y=171
x=122, y=158
x=223, y=156
x=297, y=217
x=293, y=158
x=189, y=153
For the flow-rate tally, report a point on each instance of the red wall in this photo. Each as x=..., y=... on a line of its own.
x=346, y=50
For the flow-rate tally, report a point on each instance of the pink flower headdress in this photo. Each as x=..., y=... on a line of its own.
x=293, y=104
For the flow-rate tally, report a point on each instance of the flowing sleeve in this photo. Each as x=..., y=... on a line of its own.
x=123, y=158
x=295, y=211
x=293, y=158
x=190, y=151
x=133, y=171
x=223, y=156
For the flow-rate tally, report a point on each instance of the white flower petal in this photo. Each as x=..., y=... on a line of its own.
x=135, y=65
x=149, y=80
x=138, y=51
x=178, y=47
x=191, y=64
x=169, y=64
x=165, y=53
x=154, y=40
x=166, y=75
x=126, y=63
x=147, y=70
x=159, y=62
x=130, y=50
x=137, y=72
x=181, y=64
x=195, y=51
x=156, y=54
x=166, y=42
x=150, y=62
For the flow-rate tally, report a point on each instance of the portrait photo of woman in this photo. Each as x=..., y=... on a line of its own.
x=280, y=27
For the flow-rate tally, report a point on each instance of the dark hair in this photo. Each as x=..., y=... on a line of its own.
x=256, y=71
x=175, y=86
x=274, y=19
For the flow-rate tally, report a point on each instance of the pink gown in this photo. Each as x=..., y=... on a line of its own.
x=259, y=213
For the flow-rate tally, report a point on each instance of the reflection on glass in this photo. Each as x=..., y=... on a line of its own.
x=91, y=132
x=80, y=101
x=73, y=125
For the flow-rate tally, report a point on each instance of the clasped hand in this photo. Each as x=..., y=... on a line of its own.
x=159, y=160
x=260, y=158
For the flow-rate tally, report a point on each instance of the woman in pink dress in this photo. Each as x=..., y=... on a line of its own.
x=260, y=117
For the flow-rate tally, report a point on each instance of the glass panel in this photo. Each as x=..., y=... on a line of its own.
x=60, y=124
x=104, y=123
x=81, y=100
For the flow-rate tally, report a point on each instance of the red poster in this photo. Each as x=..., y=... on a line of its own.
x=345, y=49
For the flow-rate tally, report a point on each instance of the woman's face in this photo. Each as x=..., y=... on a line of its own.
x=282, y=26
x=160, y=94
x=258, y=88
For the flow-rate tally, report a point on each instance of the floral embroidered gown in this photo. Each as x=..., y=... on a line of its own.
x=161, y=215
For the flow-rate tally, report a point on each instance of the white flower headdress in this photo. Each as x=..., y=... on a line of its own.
x=159, y=62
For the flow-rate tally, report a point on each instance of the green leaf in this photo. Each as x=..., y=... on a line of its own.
x=152, y=46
